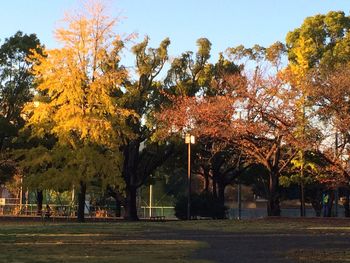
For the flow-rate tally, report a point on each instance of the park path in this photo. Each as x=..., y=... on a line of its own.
x=266, y=247
x=258, y=247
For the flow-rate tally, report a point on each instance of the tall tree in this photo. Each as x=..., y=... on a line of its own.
x=267, y=132
x=318, y=46
x=321, y=40
x=16, y=78
x=16, y=84
x=191, y=73
x=201, y=98
x=331, y=94
x=79, y=86
x=254, y=112
x=142, y=152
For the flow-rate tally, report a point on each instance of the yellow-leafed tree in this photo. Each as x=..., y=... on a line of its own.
x=78, y=90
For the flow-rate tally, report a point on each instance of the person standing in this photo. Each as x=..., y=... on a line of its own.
x=325, y=204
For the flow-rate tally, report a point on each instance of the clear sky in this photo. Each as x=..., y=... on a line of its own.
x=226, y=23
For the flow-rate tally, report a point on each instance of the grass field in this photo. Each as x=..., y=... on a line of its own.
x=298, y=240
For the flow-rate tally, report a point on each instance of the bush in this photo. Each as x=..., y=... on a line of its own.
x=202, y=205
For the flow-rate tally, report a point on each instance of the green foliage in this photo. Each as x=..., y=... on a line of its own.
x=7, y=170
x=174, y=171
x=7, y=129
x=241, y=53
x=16, y=82
x=16, y=78
x=142, y=152
x=150, y=61
x=188, y=74
x=144, y=95
x=256, y=176
x=311, y=162
x=16, y=89
x=61, y=168
x=322, y=40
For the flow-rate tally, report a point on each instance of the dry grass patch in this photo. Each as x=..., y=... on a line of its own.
x=321, y=256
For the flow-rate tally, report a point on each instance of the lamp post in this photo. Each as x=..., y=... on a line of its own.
x=239, y=199
x=239, y=188
x=150, y=200
x=189, y=139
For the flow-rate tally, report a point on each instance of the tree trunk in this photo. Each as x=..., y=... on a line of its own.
x=39, y=200
x=118, y=200
x=118, y=208
x=302, y=185
x=221, y=198
x=330, y=203
x=346, y=203
x=215, y=193
x=273, y=204
x=137, y=168
x=206, y=181
x=302, y=199
x=131, y=162
x=130, y=212
x=221, y=194
x=81, y=202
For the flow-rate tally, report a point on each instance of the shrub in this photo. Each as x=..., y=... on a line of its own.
x=202, y=205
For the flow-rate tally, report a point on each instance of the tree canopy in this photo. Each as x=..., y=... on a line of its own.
x=78, y=117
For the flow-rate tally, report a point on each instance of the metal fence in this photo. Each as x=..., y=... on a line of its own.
x=166, y=211
x=250, y=213
x=32, y=210
x=12, y=206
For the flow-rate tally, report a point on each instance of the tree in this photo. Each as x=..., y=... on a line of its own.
x=254, y=112
x=142, y=152
x=331, y=93
x=266, y=129
x=7, y=170
x=267, y=134
x=321, y=40
x=16, y=89
x=227, y=165
x=32, y=157
x=317, y=47
x=315, y=167
x=190, y=73
x=199, y=97
x=288, y=112
x=16, y=80
x=79, y=86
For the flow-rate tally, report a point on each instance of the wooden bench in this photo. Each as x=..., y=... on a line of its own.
x=157, y=218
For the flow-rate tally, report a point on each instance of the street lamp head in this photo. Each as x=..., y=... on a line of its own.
x=193, y=140
x=189, y=139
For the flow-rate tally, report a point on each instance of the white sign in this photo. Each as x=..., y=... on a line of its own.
x=87, y=208
x=2, y=201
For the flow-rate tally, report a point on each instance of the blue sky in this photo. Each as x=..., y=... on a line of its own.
x=226, y=23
